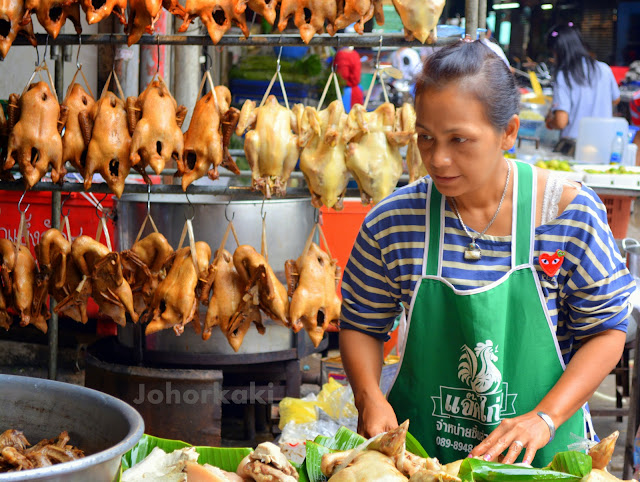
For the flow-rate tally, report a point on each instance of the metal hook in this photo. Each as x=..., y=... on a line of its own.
x=158, y=47
x=279, y=55
x=20, y=203
x=225, y=212
x=193, y=209
x=78, y=52
x=37, y=56
x=379, y=52
x=263, y=215
x=46, y=44
x=316, y=216
x=100, y=211
x=333, y=61
x=62, y=204
x=148, y=199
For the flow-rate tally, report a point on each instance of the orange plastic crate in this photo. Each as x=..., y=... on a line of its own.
x=618, y=213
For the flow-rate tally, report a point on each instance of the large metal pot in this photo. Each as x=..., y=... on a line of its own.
x=102, y=426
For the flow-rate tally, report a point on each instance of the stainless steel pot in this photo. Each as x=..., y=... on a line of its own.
x=632, y=249
x=101, y=425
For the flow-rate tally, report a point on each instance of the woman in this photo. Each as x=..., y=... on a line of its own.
x=583, y=86
x=515, y=292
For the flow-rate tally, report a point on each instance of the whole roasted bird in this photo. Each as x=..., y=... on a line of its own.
x=34, y=141
x=228, y=307
x=265, y=8
x=52, y=14
x=407, y=120
x=156, y=136
x=420, y=18
x=143, y=15
x=357, y=12
x=175, y=302
x=261, y=282
x=271, y=146
x=51, y=253
x=12, y=13
x=322, y=159
x=372, y=154
x=312, y=281
x=144, y=267
x=5, y=317
x=74, y=142
x=309, y=16
x=267, y=463
x=97, y=10
x=206, y=142
x=105, y=130
x=217, y=16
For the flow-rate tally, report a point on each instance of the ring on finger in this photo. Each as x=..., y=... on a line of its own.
x=518, y=444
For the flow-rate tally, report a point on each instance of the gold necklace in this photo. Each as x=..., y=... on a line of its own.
x=473, y=252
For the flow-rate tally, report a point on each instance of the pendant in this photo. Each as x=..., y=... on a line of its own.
x=473, y=252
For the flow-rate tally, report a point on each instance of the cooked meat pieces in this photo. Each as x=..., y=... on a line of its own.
x=15, y=453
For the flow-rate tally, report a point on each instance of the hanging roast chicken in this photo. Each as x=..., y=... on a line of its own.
x=265, y=8
x=97, y=10
x=406, y=119
x=217, y=16
x=206, y=142
x=420, y=18
x=270, y=145
x=312, y=281
x=51, y=252
x=357, y=12
x=52, y=14
x=106, y=131
x=156, y=128
x=309, y=16
x=34, y=141
x=74, y=142
x=373, y=155
x=12, y=13
x=175, y=301
x=143, y=14
x=322, y=159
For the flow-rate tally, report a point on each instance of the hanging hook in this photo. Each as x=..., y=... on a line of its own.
x=148, y=199
x=78, y=52
x=158, y=51
x=279, y=55
x=333, y=61
x=263, y=215
x=193, y=209
x=100, y=211
x=225, y=212
x=20, y=202
x=68, y=196
x=379, y=52
x=37, y=56
x=316, y=216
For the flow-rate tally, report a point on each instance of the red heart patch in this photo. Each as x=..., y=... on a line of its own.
x=550, y=263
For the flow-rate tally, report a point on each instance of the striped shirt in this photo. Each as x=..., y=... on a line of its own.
x=588, y=295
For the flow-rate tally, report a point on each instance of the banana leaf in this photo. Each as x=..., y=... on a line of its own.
x=414, y=446
x=572, y=462
x=313, y=461
x=481, y=471
x=226, y=458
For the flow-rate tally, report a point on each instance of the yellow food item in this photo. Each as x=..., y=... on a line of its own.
x=531, y=115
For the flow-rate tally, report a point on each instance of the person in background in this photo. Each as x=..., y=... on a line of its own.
x=347, y=62
x=407, y=61
x=583, y=87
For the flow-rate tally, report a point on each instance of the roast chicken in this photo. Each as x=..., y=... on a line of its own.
x=52, y=14
x=217, y=16
x=74, y=143
x=267, y=464
x=228, y=307
x=34, y=141
x=372, y=154
x=157, y=136
x=265, y=8
x=97, y=10
x=106, y=132
x=420, y=18
x=144, y=268
x=5, y=317
x=206, y=142
x=312, y=282
x=270, y=145
x=406, y=120
x=322, y=159
x=12, y=13
x=143, y=15
x=175, y=301
x=358, y=12
x=309, y=16
x=261, y=282
x=51, y=253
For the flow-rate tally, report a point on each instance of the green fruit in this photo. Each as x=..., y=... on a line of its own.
x=541, y=164
x=564, y=166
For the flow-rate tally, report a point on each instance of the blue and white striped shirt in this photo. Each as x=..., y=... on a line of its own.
x=588, y=295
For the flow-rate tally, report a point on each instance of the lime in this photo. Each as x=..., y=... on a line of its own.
x=541, y=164
x=553, y=164
x=564, y=166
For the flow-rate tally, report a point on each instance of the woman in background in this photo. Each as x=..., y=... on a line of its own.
x=583, y=86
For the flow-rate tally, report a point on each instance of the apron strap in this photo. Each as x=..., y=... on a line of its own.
x=435, y=208
x=524, y=213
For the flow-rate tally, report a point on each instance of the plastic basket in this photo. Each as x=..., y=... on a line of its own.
x=618, y=214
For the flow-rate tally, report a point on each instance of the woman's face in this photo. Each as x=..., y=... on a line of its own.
x=460, y=148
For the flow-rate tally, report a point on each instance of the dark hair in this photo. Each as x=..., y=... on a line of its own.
x=569, y=48
x=479, y=70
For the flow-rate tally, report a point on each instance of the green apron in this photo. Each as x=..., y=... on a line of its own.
x=474, y=357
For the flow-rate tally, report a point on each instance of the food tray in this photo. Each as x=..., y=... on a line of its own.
x=630, y=180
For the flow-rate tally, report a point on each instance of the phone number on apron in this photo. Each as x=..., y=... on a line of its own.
x=455, y=445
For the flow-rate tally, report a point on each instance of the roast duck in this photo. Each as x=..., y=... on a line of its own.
x=74, y=141
x=102, y=279
x=143, y=14
x=372, y=154
x=105, y=130
x=34, y=140
x=12, y=13
x=420, y=18
x=322, y=159
x=52, y=14
x=206, y=142
x=312, y=281
x=309, y=16
x=144, y=267
x=97, y=10
x=217, y=16
x=358, y=12
x=155, y=122
x=265, y=8
x=271, y=145
x=175, y=301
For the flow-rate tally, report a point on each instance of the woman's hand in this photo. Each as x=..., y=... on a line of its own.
x=375, y=415
x=526, y=433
